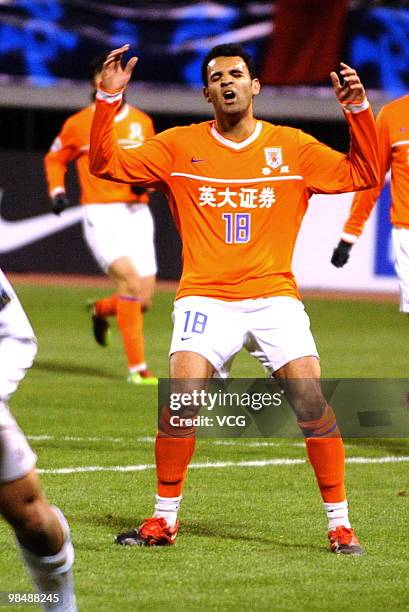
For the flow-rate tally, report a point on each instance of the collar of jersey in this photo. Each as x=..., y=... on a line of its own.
x=237, y=145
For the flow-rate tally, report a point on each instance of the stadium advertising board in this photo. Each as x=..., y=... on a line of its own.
x=370, y=267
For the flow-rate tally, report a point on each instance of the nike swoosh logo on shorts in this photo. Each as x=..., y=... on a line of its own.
x=195, y=161
x=188, y=338
x=17, y=234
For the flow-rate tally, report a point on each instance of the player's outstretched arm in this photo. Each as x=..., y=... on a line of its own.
x=116, y=76
x=351, y=90
x=148, y=165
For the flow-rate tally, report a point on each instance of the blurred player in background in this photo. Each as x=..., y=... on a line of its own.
x=41, y=530
x=117, y=226
x=239, y=188
x=392, y=125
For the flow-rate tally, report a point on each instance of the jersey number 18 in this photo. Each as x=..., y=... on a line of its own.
x=237, y=228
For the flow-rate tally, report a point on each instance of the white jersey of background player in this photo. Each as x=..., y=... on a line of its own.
x=41, y=530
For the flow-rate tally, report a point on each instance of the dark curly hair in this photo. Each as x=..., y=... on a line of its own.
x=228, y=50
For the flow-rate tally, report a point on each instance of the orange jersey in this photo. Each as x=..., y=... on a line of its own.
x=392, y=126
x=132, y=128
x=238, y=206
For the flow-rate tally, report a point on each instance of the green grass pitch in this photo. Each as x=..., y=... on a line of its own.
x=252, y=538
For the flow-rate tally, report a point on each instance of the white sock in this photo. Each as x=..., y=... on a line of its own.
x=167, y=508
x=53, y=574
x=337, y=514
x=138, y=368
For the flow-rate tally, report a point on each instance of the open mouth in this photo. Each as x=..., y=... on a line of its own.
x=229, y=96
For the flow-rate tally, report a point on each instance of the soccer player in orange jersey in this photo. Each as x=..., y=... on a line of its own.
x=42, y=533
x=392, y=125
x=238, y=188
x=117, y=226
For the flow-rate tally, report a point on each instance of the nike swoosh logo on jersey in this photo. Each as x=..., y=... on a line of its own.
x=188, y=338
x=17, y=234
x=194, y=160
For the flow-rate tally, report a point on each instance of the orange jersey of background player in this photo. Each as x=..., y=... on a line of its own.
x=392, y=126
x=238, y=206
x=132, y=128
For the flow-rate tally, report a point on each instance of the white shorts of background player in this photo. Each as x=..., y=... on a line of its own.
x=121, y=230
x=400, y=241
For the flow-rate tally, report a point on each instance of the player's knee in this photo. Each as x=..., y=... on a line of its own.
x=28, y=515
x=146, y=302
x=35, y=518
x=309, y=405
x=132, y=286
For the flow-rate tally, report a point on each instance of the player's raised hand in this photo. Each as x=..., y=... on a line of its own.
x=351, y=90
x=114, y=75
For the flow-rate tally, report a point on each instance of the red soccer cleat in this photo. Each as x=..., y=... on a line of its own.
x=153, y=532
x=343, y=541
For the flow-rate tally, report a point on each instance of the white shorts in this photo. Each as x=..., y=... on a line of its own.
x=121, y=230
x=16, y=456
x=274, y=330
x=18, y=344
x=400, y=240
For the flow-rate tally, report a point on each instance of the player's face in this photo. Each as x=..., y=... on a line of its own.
x=229, y=86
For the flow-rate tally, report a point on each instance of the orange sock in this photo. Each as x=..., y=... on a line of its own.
x=172, y=459
x=326, y=453
x=107, y=306
x=129, y=317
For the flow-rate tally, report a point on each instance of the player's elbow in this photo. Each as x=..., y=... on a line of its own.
x=369, y=177
x=97, y=167
x=374, y=177
x=99, y=164
x=373, y=181
x=102, y=173
x=373, y=173
x=94, y=170
x=369, y=184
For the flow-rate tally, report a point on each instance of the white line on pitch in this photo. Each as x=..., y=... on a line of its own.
x=256, y=444
x=90, y=439
x=216, y=464
x=249, y=444
x=150, y=439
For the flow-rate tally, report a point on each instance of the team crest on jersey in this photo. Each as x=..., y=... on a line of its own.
x=274, y=156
